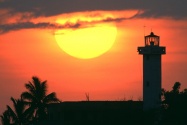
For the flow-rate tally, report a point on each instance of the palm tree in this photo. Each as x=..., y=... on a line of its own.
x=37, y=97
x=19, y=116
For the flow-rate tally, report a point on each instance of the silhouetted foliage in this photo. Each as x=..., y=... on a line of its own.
x=175, y=105
x=17, y=116
x=176, y=87
x=36, y=97
x=32, y=107
x=5, y=118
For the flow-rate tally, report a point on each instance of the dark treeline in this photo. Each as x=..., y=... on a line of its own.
x=31, y=107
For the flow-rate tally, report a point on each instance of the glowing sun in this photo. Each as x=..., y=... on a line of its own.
x=86, y=43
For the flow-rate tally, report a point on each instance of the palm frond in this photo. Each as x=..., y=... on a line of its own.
x=29, y=86
x=12, y=114
x=27, y=96
x=29, y=112
x=51, y=98
x=20, y=108
x=43, y=88
x=14, y=101
x=39, y=91
x=27, y=103
x=36, y=82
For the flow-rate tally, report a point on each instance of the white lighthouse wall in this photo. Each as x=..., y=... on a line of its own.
x=151, y=80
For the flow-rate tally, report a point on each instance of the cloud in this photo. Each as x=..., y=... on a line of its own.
x=4, y=28
x=30, y=25
x=17, y=14
x=157, y=8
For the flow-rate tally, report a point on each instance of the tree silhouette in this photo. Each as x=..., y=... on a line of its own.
x=172, y=97
x=17, y=116
x=37, y=97
x=175, y=104
x=176, y=87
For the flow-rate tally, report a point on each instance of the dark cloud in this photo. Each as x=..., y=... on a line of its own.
x=35, y=8
x=156, y=8
x=29, y=25
x=4, y=28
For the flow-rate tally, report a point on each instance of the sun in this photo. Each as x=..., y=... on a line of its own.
x=86, y=43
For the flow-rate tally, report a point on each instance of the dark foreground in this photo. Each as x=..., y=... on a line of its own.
x=106, y=113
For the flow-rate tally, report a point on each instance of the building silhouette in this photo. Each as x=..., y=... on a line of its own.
x=95, y=113
x=152, y=71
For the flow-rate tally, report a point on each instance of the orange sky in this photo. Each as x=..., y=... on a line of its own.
x=111, y=76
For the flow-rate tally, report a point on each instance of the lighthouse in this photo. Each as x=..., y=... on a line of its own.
x=152, y=71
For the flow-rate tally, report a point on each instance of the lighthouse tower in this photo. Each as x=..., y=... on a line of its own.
x=152, y=71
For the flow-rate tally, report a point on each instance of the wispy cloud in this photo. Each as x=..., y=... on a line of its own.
x=30, y=25
x=4, y=28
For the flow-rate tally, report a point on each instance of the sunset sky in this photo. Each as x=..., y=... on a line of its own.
x=28, y=47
